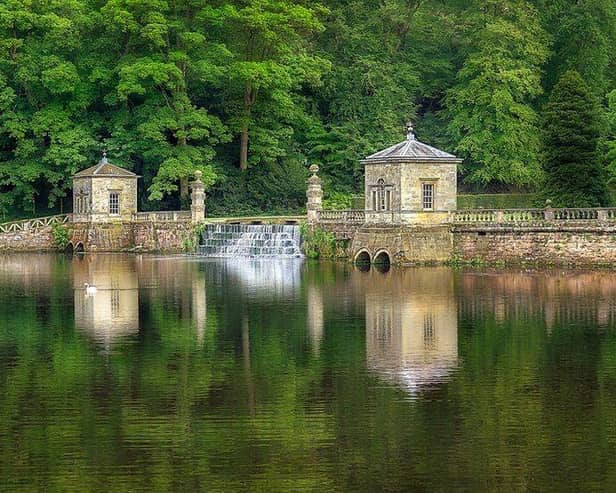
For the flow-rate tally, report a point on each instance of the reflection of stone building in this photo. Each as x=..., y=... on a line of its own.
x=113, y=312
x=411, y=326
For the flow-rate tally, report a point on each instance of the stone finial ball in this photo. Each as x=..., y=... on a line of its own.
x=314, y=168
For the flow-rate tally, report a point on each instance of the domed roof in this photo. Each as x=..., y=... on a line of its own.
x=411, y=150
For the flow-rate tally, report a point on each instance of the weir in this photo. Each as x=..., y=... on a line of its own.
x=250, y=240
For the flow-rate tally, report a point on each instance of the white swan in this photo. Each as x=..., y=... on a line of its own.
x=90, y=289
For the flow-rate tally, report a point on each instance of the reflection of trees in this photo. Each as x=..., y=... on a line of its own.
x=172, y=409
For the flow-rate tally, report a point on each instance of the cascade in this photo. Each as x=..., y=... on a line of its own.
x=250, y=240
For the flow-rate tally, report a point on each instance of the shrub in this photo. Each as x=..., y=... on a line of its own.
x=318, y=243
x=60, y=236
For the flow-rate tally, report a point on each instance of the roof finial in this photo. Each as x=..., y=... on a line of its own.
x=409, y=131
x=104, y=160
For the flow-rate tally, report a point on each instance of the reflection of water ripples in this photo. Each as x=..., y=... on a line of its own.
x=273, y=278
x=415, y=377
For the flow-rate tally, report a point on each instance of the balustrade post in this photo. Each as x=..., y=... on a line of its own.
x=602, y=215
x=548, y=212
x=314, y=194
x=197, y=199
x=499, y=216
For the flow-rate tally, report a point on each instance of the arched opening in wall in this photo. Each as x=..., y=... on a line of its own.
x=69, y=249
x=362, y=261
x=79, y=248
x=382, y=261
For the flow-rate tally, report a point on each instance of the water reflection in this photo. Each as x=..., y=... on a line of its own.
x=112, y=312
x=411, y=326
x=557, y=297
x=227, y=386
x=271, y=278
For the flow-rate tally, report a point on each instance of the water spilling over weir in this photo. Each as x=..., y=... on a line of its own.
x=250, y=240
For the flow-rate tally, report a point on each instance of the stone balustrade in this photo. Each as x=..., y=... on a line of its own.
x=162, y=216
x=342, y=216
x=34, y=224
x=530, y=216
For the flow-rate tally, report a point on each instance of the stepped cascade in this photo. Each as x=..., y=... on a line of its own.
x=250, y=240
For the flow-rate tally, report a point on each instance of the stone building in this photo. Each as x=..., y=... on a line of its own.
x=410, y=182
x=104, y=193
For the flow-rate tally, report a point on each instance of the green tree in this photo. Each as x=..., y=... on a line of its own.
x=574, y=176
x=610, y=142
x=272, y=62
x=584, y=34
x=46, y=130
x=491, y=104
x=378, y=52
x=163, y=60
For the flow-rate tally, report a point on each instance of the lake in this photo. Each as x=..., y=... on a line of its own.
x=186, y=374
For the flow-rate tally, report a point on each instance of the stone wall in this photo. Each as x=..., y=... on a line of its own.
x=162, y=236
x=573, y=245
x=105, y=237
x=35, y=240
x=342, y=231
x=442, y=175
x=404, y=245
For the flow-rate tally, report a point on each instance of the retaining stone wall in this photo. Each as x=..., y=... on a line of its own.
x=581, y=245
x=405, y=245
x=39, y=240
x=108, y=237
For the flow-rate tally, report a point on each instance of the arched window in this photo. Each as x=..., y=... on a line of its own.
x=381, y=196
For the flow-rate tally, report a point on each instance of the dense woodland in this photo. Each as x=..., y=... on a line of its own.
x=250, y=91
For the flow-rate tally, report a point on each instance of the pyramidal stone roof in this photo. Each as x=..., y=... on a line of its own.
x=105, y=168
x=411, y=150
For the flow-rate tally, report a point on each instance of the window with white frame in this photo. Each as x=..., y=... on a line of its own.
x=114, y=202
x=427, y=196
x=381, y=197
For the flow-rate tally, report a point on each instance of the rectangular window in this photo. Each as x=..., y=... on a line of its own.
x=374, y=200
x=428, y=196
x=114, y=203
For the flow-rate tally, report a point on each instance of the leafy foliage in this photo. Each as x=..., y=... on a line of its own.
x=247, y=91
x=318, y=243
x=574, y=175
x=492, y=117
x=60, y=236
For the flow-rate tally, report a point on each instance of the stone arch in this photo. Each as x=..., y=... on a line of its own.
x=382, y=258
x=69, y=248
x=362, y=257
x=79, y=248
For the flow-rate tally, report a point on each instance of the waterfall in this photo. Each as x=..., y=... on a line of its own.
x=250, y=240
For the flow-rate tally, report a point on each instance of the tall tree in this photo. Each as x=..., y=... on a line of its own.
x=610, y=141
x=376, y=49
x=584, y=33
x=491, y=104
x=163, y=60
x=46, y=130
x=574, y=176
x=272, y=62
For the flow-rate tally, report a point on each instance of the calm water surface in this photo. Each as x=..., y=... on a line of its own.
x=188, y=375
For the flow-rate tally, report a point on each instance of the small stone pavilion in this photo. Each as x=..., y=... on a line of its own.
x=104, y=193
x=410, y=183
